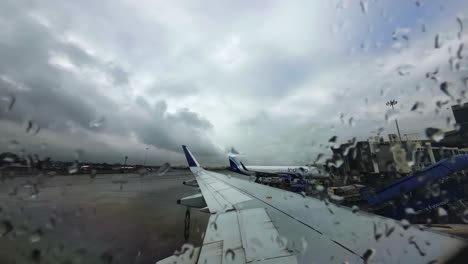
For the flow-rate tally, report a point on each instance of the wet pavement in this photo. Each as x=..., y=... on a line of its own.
x=119, y=218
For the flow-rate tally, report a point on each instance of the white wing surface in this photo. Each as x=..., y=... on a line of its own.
x=251, y=222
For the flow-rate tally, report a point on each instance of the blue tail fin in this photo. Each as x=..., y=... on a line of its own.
x=192, y=162
x=235, y=166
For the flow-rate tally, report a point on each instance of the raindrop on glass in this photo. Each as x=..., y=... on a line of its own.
x=97, y=123
x=464, y=216
x=368, y=255
x=404, y=70
x=319, y=188
x=13, y=145
x=336, y=198
x=363, y=5
x=230, y=254
x=460, y=51
x=36, y=236
x=417, y=105
x=435, y=134
x=437, y=42
x=355, y=209
x=405, y=224
x=72, y=169
x=441, y=212
x=444, y=87
x=10, y=102
x=460, y=25
x=5, y=227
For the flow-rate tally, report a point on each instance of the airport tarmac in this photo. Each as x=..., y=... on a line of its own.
x=112, y=218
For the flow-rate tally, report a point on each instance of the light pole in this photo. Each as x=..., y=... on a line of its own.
x=146, y=155
x=392, y=103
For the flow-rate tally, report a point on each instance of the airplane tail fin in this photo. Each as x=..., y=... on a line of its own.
x=192, y=162
x=234, y=164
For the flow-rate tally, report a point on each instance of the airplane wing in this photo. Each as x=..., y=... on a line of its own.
x=251, y=222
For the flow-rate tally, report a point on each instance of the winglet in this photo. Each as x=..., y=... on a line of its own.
x=192, y=162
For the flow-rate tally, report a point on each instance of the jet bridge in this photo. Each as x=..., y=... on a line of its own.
x=420, y=179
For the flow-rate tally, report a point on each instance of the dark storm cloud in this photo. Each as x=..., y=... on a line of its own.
x=59, y=100
x=170, y=130
x=44, y=92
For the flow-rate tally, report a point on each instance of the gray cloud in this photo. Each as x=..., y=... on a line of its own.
x=270, y=79
x=59, y=97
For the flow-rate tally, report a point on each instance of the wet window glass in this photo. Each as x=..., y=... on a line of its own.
x=233, y=131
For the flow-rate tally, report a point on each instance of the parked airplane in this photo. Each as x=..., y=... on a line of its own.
x=254, y=223
x=275, y=171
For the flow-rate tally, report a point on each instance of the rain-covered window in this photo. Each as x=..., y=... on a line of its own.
x=327, y=131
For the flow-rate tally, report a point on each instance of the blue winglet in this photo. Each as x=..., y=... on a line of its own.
x=192, y=162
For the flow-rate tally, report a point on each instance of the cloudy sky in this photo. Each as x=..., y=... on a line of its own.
x=273, y=79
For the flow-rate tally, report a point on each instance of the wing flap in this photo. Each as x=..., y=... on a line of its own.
x=243, y=236
x=259, y=236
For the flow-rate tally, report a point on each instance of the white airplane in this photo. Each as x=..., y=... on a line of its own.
x=274, y=171
x=254, y=223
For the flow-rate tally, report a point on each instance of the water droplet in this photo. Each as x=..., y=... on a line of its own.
x=72, y=169
x=36, y=255
x=351, y=122
x=460, y=25
x=417, y=105
x=29, y=125
x=404, y=70
x=10, y=102
x=214, y=226
x=303, y=194
x=281, y=241
x=230, y=254
x=411, y=241
x=332, y=139
x=417, y=3
x=319, y=188
x=368, y=255
x=304, y=245
x=391, y=115
x=97, y=123
x=5, y=227
x=93, y=173
x=337, y=198
x=355, y=209
x=363, y=5
x=163, y=169
x=36, y=236
x=444, y=87
x=319, y=156
x=377, y=235
x=50, y=224
x=464, y=216
x=437, y=42
x=405, y=224
x=441, y=212
x=460, y=51
x=410, y=211
x=389, y=231
x=435, y=134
